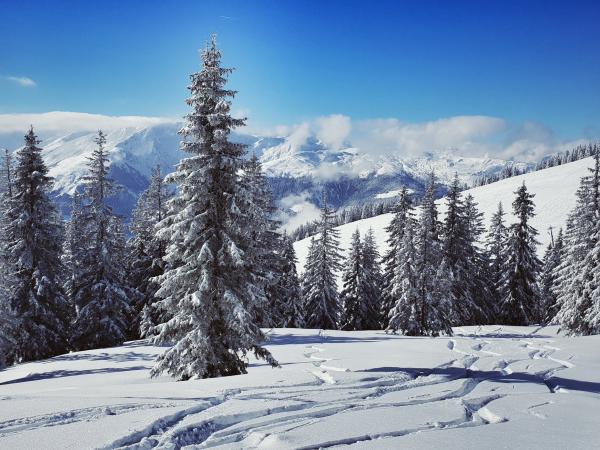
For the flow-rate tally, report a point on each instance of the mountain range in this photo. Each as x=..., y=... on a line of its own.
x=298, y=169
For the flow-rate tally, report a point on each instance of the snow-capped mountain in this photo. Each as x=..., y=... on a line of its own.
x=297, y=167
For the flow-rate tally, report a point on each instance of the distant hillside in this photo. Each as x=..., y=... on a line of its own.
x=554, y=190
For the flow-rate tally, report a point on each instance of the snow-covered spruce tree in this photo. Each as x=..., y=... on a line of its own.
x=99, y=290
x=287, y=290
x=209, y=286
x=405, y=315
x=265, y=244
x=478, y=263
x=548, y=278
x=320, y=295
x=460, y=230
x=576, y=288
x=74, y=248
x=34, y=234
x=496, y=247
x=589, y=302
x=373, y=279
x=520, y=295
x=7, y=318
x=145, y=254
x=403, y=215
x=352, y=298
x=436, y=302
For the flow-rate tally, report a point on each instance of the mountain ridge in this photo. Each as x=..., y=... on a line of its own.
x=295, y=167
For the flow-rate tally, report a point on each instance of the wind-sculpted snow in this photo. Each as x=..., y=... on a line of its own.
x=485, y=387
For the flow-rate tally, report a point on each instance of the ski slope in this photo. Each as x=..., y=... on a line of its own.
x=485, y=388
x=554, y=190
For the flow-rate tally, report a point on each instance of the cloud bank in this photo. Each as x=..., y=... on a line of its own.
x=477, y=136
x=71, y=122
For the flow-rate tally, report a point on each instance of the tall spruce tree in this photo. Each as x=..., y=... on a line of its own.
x=481, y=289
x=286, y=291
x=496, y=247
x=145, y=254
x=520, y=295
x=99, y=290
x=34, y=234
x=551, y=261
x=405, y=316
x=360, y=296
x=264, y=254
x=354, y=306
x=320, y=295
x=209, y=285
x=373, y=279
x=8, y=324
x=436, y=300
x=461, y=228
x=578, y=296
x=403, y=217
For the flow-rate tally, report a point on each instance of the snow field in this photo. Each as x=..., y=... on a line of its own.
x=485, y=387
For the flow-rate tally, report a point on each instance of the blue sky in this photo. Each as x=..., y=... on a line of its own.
x=296, y=60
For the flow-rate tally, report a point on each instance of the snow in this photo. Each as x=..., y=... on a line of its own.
x=485, y=387
x=554, y=190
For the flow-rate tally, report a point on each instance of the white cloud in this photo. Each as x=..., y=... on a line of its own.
x=300, y=134
x=22, y=81
x=478, y=136
x=333, y=130
x=71, y=122
x=391, y=136
x=303, y=211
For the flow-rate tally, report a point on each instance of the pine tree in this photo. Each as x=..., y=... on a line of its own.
x=461, y=228
x=402, y=218
x=209, y=286
x=265, y=244
x=477, y=263
x=320, y=296
x=34, y=234
x=99, y=290
x=357, y=309
x=8, y=323
x=287, y=289
x=551, y=261
x=74, y=248
x=496, y=246
x=436, y=304
x=578, y=296
x=520, y=295
x=145, y=253
x=373, y=279
x=405, y=316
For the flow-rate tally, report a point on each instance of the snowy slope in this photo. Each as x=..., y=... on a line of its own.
x=485, y=388
x=554, y=190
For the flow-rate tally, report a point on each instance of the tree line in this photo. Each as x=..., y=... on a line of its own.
x=443, y=273
x=575, y=154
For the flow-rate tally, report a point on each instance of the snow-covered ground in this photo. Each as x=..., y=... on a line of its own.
x=486, y=387
x=554, y=190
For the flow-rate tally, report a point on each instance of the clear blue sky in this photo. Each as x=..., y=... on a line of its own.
x=416, y=61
